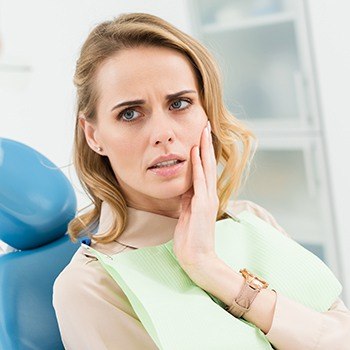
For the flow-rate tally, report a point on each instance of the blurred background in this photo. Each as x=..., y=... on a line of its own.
x=285, y=68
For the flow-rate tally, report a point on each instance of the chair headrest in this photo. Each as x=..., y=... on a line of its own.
x=37, y=201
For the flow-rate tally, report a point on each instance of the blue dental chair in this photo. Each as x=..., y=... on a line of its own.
x=37, y=202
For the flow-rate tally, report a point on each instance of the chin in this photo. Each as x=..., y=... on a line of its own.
x=167, y=191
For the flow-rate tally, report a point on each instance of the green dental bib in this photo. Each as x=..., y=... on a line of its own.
x=178, y=314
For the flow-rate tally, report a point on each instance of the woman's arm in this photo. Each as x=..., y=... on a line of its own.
x=286, y=323
x=220, y=280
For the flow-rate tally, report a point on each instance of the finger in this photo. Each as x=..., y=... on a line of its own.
x=213, y=157
x=208, y=161
x=199, y=183
x=186, y=199
x=212, y=145
x=186, y=204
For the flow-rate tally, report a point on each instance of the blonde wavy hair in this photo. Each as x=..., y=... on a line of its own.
x=232, y=140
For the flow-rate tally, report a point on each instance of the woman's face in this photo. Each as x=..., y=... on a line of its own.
x=133, y=134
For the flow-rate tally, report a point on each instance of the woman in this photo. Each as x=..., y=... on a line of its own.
x=151, y=127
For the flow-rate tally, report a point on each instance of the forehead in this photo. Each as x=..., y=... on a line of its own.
x=138, y=71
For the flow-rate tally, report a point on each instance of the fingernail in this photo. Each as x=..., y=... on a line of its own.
x=209, y=126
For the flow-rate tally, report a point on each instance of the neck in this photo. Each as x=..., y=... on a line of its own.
x=170, y=208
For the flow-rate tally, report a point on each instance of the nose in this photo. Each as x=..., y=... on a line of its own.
x=163, y=139
x=162, y=133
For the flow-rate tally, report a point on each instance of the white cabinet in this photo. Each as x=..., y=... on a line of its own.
x=14, y=82
x=15, y=68
x=329, y=25
x=288, y=178
x=264, y=53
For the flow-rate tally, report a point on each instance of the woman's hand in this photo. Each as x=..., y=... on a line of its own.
x=194, y=235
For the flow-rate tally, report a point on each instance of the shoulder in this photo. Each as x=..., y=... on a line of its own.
x=78, y=269
x=238, y=206
x=92, y=311
x=84, y=280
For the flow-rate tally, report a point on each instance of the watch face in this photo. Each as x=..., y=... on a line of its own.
x=257, y=284
x=254, y=281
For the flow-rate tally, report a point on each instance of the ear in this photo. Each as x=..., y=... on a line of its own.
x=91, y=134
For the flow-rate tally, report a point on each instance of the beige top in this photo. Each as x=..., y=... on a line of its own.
x=94, y=313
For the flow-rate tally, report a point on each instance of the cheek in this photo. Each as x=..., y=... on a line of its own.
x=122, y=149
x=118, y=140
x=197, y=124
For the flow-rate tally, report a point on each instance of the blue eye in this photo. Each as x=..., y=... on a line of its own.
x=177, y=104
x=128, y=114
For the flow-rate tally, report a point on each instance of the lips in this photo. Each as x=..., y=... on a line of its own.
x=166, y=157
x=155, y=166
x=168, y=171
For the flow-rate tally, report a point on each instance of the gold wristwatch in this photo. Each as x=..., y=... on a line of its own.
x=250, y=289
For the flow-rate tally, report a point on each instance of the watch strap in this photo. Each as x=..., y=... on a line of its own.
x=241, y=304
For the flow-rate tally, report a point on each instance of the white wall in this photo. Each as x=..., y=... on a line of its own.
x=330, y=27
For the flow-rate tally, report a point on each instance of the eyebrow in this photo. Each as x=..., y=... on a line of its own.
x=141, y=102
